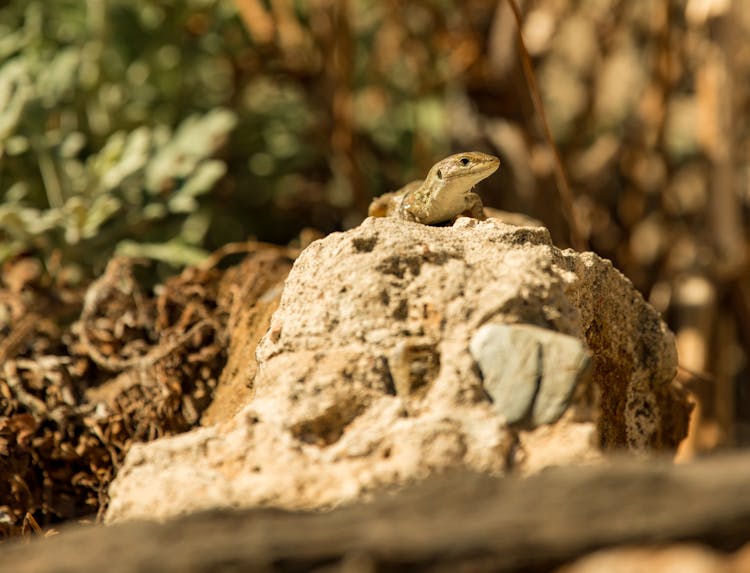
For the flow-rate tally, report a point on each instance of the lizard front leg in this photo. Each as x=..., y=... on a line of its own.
x=407, y=214
x=415, y=204
x=474, y=207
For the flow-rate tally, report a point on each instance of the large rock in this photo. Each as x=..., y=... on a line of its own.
x=375, y=371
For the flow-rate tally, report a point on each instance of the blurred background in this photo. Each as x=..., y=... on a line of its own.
x=167, y=128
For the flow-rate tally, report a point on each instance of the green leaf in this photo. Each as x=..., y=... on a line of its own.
x=103, y=208
x=204, y=178
x=15, y=92
x=123, y=157
x=56, y=80
x=196, y=226
x=174, y=252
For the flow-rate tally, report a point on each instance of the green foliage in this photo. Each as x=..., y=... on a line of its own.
x=89, y=159
x=164, y=129
x=137, y=179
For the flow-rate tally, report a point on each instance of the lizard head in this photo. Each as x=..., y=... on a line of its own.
x=446, y=191
x=469, y=167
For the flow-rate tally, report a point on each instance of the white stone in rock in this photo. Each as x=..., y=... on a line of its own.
x=511, y=365
x=529, y=372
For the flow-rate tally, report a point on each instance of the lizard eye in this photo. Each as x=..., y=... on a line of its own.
x=464, y=161
x=440, y=174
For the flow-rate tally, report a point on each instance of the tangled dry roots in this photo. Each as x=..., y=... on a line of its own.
x=84, y=374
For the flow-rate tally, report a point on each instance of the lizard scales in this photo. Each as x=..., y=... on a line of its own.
x=444, y=194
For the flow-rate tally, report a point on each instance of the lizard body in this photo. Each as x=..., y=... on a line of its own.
x=445, y=193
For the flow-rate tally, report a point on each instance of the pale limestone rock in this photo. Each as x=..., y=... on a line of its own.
x=564, y=443
x=365, y=377
x=685, y=558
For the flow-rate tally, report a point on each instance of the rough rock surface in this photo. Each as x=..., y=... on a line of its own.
x=255, y=295
x=685, y=558
x=365, y=378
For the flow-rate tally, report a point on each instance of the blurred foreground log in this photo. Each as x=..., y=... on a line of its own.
x=472, y=522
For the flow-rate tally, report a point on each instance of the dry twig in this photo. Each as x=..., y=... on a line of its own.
x=566, y=195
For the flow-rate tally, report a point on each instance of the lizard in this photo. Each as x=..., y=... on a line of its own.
x=444, y=194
